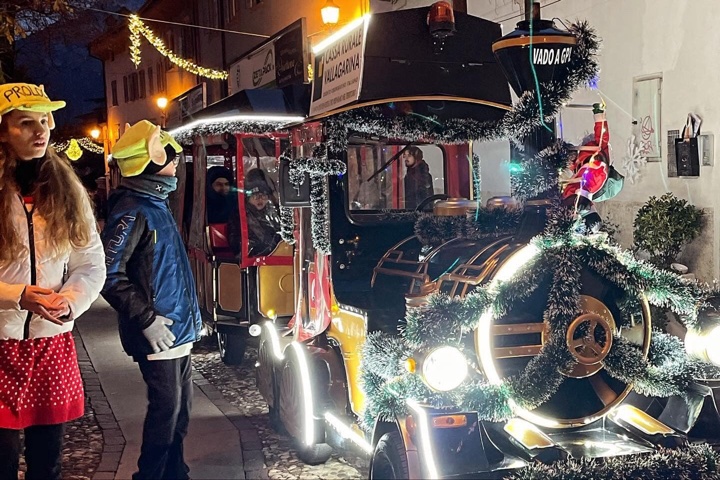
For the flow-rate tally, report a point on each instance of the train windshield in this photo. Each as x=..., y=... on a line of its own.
x=393, y=176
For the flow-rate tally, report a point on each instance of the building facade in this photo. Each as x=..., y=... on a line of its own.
x=671, y=44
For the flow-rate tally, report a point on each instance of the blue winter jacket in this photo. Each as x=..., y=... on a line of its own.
x=148, y=272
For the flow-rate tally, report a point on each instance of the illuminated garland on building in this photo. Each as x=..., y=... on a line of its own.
x=72, y=148
x=667, y=370
x=138, y=28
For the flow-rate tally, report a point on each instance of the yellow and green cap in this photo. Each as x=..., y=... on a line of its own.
x=132, y=153
x=26, y=97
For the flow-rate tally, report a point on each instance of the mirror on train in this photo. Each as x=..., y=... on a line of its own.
x=291, y=195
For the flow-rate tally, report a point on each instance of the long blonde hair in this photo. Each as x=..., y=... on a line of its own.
x=59, y=198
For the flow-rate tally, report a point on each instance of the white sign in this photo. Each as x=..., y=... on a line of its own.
x=338, y=71
x=257, y=70
x=378, y=6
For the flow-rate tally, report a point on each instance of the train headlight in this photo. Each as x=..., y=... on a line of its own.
x=703, y=344
x=444, y=369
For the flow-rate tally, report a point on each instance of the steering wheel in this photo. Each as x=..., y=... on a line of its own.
x=430, y=200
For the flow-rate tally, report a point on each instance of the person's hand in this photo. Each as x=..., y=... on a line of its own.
x=159, y=335
x=60, y=306
x=40, y=301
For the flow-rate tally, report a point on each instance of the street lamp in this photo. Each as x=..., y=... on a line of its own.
x=162, y=103
x=330, y=13
x=101, y=133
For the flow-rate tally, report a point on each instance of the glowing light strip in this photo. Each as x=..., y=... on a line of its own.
x=424, y=438
x=347, y=432
x=307, y=394
x=484, y=335
x=340, y=33
x=274, y=341
x=238, y=118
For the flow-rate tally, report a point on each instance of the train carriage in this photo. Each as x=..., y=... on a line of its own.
x=238, y=286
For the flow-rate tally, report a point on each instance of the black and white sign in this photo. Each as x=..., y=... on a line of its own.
x=338, y=71
x=279, y=61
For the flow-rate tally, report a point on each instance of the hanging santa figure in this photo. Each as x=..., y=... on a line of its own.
x=588, y=173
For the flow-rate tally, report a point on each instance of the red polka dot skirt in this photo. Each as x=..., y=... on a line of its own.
x=40, y=382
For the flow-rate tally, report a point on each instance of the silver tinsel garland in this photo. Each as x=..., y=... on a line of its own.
x=318, y=167
x=287, y=225
x=186, y=136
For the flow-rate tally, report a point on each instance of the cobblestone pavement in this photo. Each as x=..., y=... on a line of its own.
x=237, y=385
x=94, y=443
x=84, y=444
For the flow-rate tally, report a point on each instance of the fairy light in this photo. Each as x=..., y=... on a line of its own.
x=90, y=146
x=76, y=144
x=138, y=28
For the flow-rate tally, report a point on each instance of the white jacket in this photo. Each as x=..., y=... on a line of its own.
x=84, y=278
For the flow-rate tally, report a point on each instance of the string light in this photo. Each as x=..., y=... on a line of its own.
x=138, y=27
x=90, y=146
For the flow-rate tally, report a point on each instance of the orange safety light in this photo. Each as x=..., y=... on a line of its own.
x=441, y=20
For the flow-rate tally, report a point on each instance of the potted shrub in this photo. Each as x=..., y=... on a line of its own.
x=663, y=226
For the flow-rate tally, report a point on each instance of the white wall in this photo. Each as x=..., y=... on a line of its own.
x=678, y=39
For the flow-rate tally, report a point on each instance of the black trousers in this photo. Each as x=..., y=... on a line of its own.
x=43, y=452
x=169, y=391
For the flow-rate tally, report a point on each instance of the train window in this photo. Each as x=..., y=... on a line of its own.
x=393, y=177
x=262, y=153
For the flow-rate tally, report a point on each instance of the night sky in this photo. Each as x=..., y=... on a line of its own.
x=59, y=59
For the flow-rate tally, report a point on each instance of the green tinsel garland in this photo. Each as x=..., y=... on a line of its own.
x=445, y=321
x=539, y=174
x=662, y=288
x=696, y=462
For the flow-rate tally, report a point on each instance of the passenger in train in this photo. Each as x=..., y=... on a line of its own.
x=220, y=198
x=52, y=268
x=418, y=180
x=151, y=286
x=261, y=212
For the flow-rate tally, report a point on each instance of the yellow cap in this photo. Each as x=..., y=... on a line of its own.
x=27, y=97
x=132, y=151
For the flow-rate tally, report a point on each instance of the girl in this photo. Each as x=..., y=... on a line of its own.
x=52, y=267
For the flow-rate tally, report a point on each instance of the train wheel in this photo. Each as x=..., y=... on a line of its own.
x=587, y=391
x=232, y=347
x=389, y=460
x=295, y=407
x=265, y=379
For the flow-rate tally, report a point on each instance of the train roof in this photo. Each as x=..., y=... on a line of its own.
x=396, y=62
